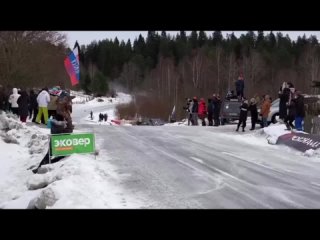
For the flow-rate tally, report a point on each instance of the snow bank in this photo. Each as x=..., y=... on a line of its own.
x=273, y=132
x=21, y=147
x=79, y=181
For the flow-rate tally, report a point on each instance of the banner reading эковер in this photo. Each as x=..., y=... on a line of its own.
x=67, y=144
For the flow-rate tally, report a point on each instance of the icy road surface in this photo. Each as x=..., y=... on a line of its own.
x=207, y=167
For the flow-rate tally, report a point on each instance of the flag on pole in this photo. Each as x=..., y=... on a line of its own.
x=72, y=65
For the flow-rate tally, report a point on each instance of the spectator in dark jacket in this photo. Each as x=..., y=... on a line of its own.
x=240, y=87
x=23, y=106
x=188, y=109
x=64, y=109
x=58, y=126
x=300, y=111
x=284, y=95
x=254, y=113
x=291, y=115
x=195, y=108
x=210, y=112
x=243, y=115
x=291, y=105
x=33, y=106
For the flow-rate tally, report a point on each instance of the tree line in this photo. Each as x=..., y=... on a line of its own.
x=32, y=59
x=165, y=67
x=171, y=68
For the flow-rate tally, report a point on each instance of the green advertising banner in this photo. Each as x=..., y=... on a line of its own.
x=67, y=144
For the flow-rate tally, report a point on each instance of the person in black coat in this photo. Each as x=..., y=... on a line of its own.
x=59, y=125
x=195, y=108
x=210, y=111
x=291, y=115
x=300, y=111
x=33, y=106
x=23, y=106
x=291, y=105
x=243, y=115
x=254, y=113
x=284, y=95
x=216, y=109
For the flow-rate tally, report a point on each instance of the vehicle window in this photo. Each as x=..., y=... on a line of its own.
x=231, y=107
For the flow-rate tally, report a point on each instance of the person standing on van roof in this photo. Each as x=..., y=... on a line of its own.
x=240, y=87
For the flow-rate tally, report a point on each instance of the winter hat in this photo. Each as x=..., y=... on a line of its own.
x=55, y=91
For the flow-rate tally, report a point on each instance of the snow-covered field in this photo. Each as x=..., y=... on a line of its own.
x=156, y=167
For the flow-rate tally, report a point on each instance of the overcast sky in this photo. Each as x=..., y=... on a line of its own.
x=86, y=37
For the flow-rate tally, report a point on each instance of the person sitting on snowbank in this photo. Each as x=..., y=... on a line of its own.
x=60, y=124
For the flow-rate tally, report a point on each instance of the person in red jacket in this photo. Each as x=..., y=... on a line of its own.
x=202, y=111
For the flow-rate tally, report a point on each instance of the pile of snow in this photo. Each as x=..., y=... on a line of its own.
x=21, y=147
x=309, y=153
x=313, y=153
x=78, y=181
x=273, y=132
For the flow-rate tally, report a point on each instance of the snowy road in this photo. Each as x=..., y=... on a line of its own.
x=202, y=167
x=157, y=167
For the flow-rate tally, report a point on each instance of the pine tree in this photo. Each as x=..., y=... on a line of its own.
x=100, y=84
x=202, y=39
x=217, y=38
x=193, y=39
